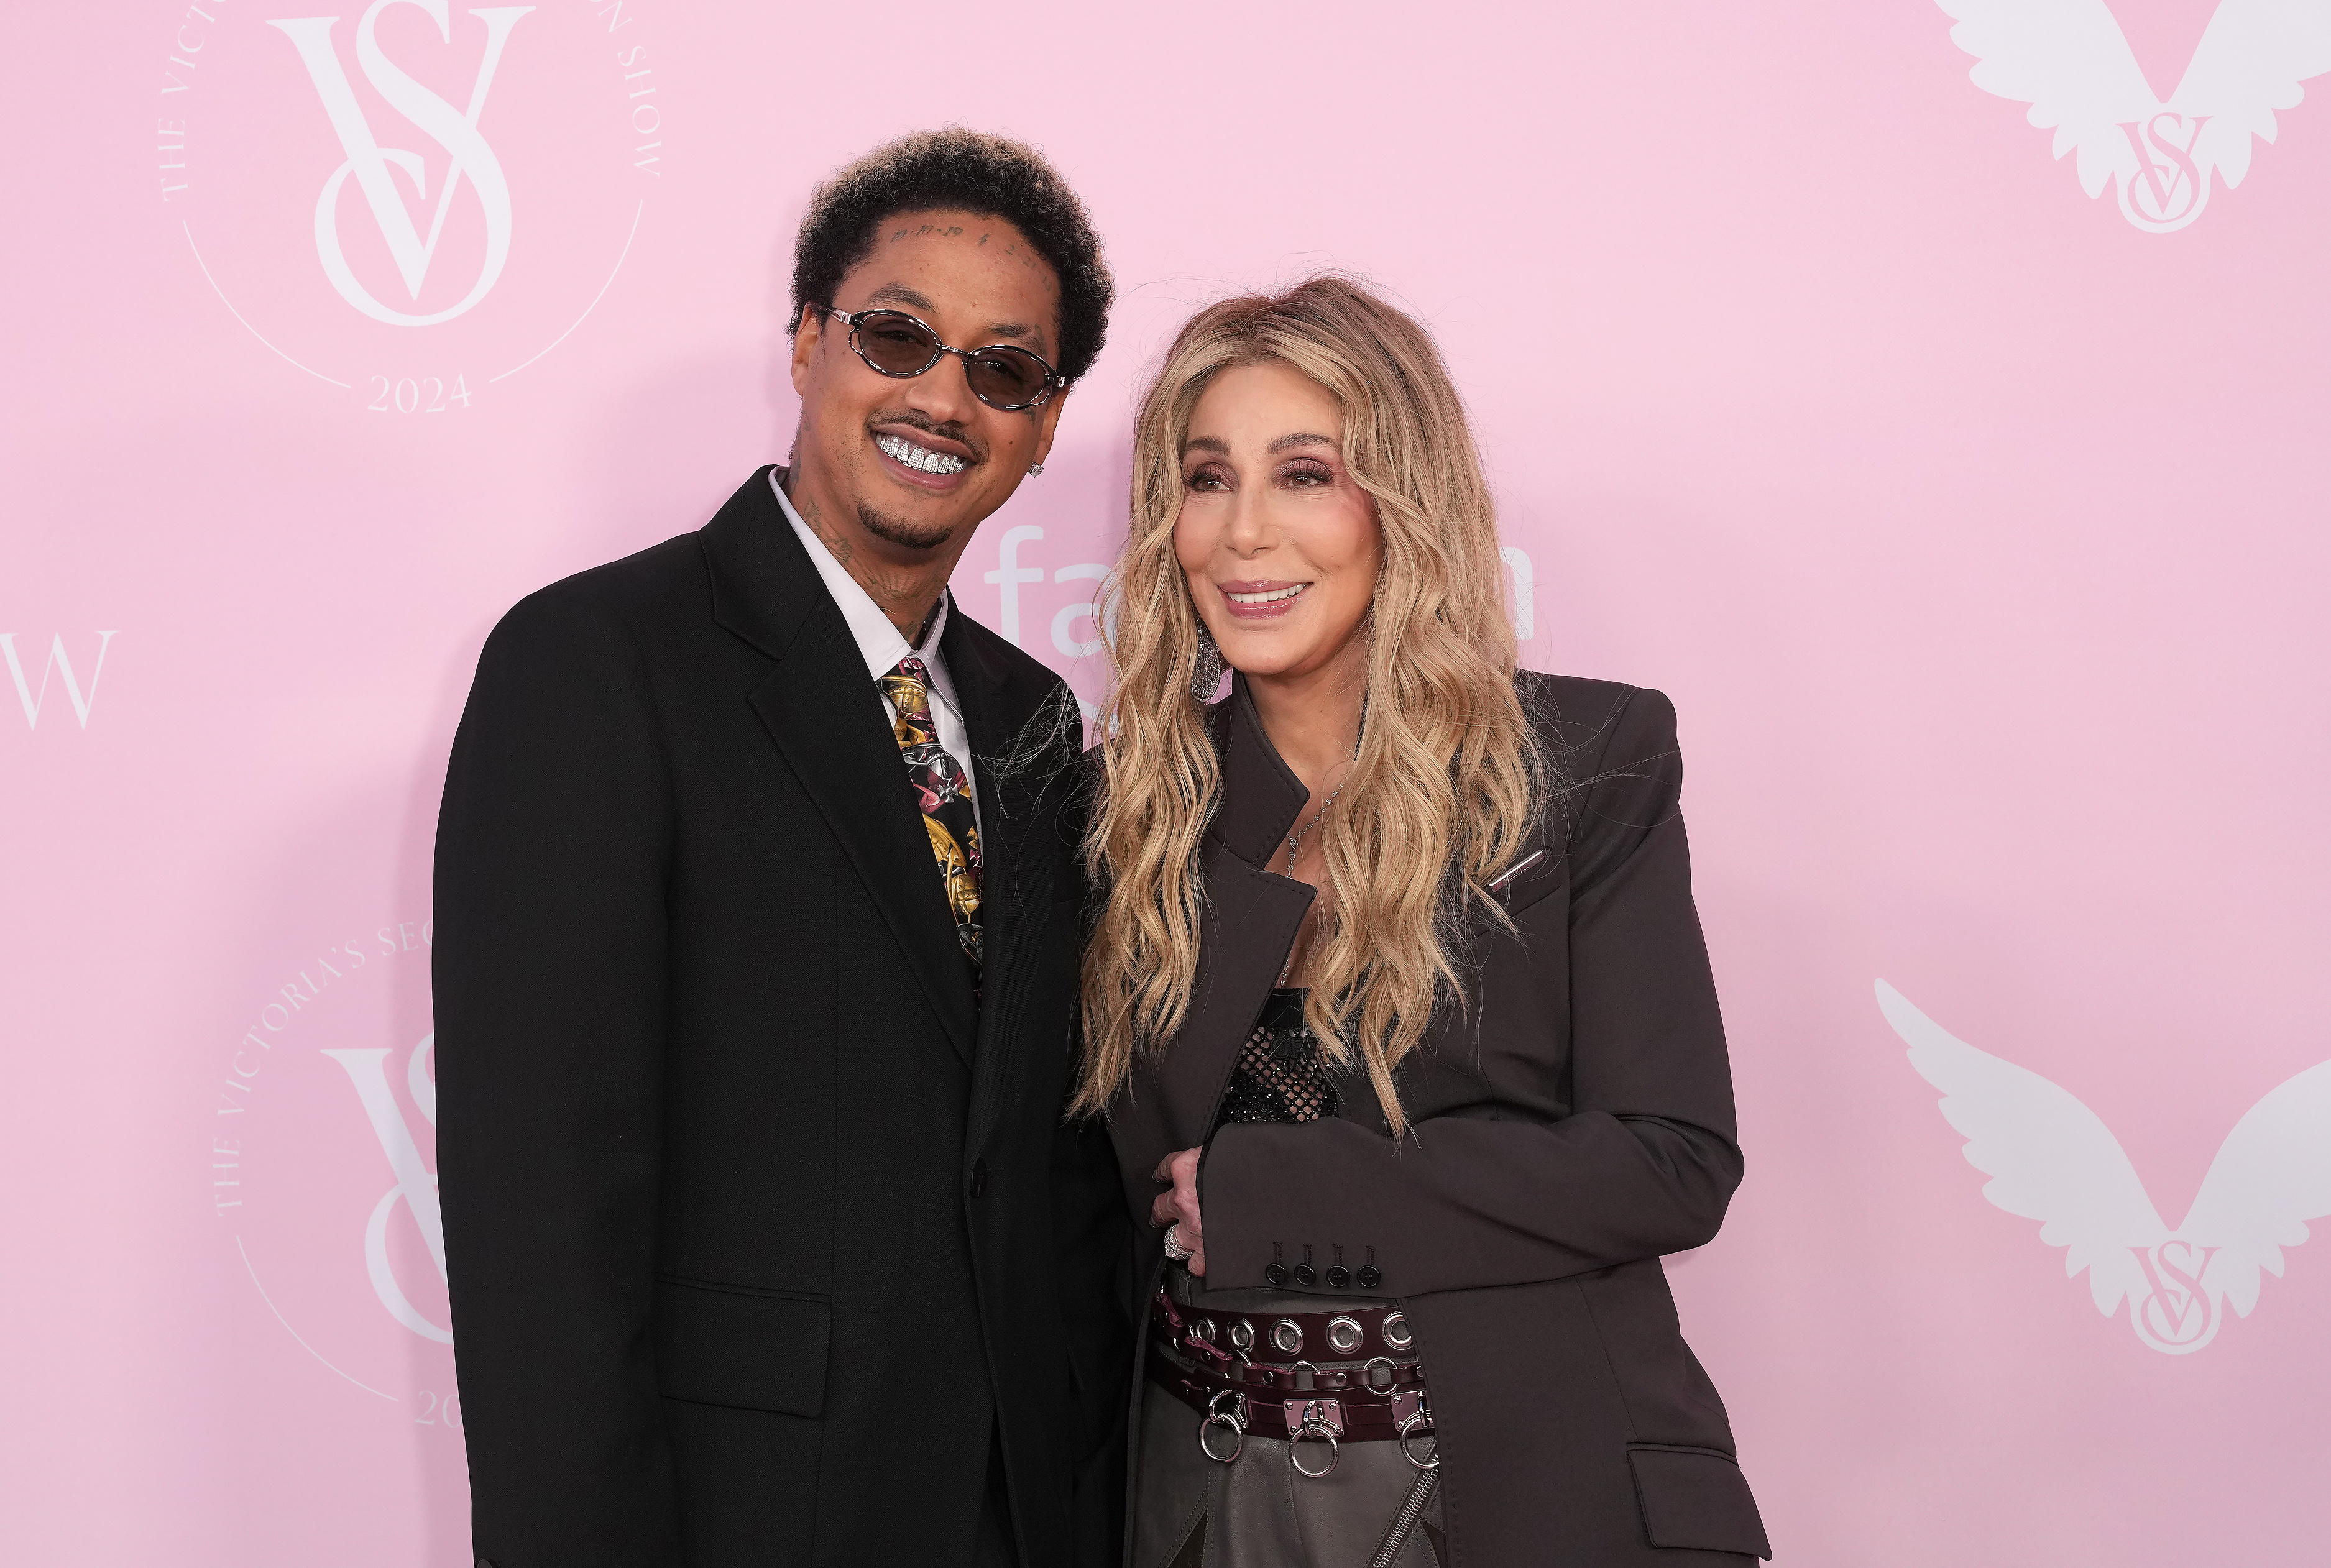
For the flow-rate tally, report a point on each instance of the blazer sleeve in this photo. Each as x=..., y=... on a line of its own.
x=1645, y=1162
x=550, y=1007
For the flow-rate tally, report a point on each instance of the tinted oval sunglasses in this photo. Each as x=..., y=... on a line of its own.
x=895, y=344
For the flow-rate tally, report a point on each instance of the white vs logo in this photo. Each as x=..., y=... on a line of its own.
x=2071, y=63
x=2051, y=1159
x=455, y=131
x=414, y=1185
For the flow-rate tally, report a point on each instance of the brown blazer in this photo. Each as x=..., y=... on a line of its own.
x=1569, y=1125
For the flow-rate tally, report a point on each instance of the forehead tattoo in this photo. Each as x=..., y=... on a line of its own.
x=914, y=300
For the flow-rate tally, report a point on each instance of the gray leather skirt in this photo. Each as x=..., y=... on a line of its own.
x=1259, y=1509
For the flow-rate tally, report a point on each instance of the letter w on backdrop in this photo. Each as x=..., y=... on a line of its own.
x=59, y=664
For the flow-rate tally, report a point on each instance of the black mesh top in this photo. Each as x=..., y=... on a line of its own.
x=1279, y=1077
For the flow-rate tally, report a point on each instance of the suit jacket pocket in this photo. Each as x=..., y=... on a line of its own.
x=1696, y=1500
x=733, y=1345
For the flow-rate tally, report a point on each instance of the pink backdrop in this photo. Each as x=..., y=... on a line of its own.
x=1975, y=525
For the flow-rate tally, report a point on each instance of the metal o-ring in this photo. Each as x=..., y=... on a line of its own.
x=1287, y=1336
x=1407, y=1429
x=1395, y=1331
x=1315, y=1431
x=1234, y=1417
x=1392, y=1375
x=1242, y=1335
x=1345, y=1336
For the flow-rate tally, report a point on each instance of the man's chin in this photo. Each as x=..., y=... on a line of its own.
x=905, y=533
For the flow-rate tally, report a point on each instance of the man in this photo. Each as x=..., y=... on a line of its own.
x=757, y=924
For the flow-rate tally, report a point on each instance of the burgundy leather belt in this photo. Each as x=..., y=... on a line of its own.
x=1382, y=1399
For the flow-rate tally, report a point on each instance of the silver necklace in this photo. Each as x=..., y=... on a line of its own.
x=1295, y=839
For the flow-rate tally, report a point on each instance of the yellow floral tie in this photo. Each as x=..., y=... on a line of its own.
x=944, y=795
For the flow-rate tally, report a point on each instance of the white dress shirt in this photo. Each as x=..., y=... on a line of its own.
x=882, y=644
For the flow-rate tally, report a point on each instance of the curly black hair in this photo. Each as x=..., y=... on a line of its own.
x=970, y=172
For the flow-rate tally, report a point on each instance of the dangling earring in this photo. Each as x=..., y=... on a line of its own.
x=1208, y=674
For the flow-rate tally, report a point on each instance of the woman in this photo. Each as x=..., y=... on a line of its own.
x=1398, y=1007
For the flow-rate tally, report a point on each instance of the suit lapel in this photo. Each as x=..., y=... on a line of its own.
x=1016, y=891
x=827, y=718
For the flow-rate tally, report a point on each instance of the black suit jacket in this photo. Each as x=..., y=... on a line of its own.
x=760, y=1227
x=1568, y=1124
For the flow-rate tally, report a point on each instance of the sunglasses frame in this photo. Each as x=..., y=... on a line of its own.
x=1053, y=381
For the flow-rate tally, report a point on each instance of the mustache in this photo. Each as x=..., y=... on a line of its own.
x=959, y=434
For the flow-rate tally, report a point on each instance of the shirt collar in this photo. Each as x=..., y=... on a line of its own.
x=880, y=642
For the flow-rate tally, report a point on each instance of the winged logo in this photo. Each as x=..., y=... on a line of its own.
x=2071, y=63
x=2051, y=1159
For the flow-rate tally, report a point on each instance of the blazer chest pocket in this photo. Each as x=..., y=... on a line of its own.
x=745, y=1349
x=1696, y=1500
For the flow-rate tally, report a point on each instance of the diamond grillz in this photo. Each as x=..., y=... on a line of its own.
x=900, y=450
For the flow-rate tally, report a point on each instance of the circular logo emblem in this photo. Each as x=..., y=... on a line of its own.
x=323, y=1161
x=411, y=201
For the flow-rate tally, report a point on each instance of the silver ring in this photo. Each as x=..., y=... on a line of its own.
x=1286, y=1337
x=1316, y=1431
x=1392, y=1375
x=1238, y=1440
x=1174, y=1247
x=1345, y=1334
x=1407, y=1428
x=1295, y=1382
x=1395, y=1331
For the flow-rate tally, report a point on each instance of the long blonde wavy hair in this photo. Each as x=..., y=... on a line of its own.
x=1448, y=778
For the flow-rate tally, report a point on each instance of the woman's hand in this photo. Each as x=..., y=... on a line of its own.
x=1177, y=1210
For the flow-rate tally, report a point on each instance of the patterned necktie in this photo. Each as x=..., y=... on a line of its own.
x=944, y=795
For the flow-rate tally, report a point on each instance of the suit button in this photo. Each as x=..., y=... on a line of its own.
x=1367, y=1278
x=979, y=1178
x=1275, y=1273
x=1338, y=1277
x=1305, y=1274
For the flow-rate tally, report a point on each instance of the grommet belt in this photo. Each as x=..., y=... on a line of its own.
x=1357, y=1335
x=1297, y=1402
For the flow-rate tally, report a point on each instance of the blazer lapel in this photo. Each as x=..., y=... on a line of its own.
x=1251, y=916
x=827, y=718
